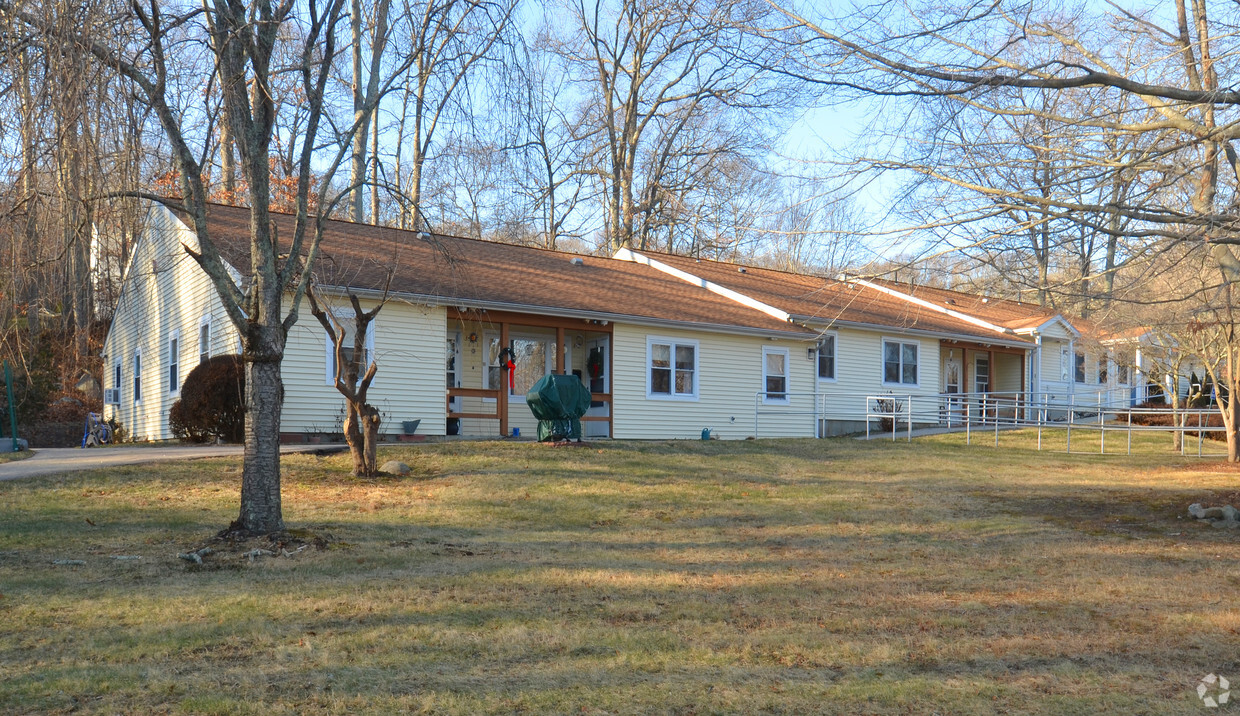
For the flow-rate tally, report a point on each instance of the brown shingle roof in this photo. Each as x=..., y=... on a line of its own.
x=824, y=300
x=459, y=271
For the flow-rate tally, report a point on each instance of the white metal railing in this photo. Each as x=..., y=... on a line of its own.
x=898, y=415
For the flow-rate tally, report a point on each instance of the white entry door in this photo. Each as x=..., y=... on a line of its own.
x=598, y=380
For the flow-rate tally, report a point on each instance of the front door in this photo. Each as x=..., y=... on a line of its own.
x=598, y=380
x=951, y=387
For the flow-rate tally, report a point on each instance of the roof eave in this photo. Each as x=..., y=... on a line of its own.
x=794, y=332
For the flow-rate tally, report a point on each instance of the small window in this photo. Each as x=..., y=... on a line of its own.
x=1123, y=374
x=204, y=340
x=826, y=358
x=775, y=375
x=137, y=376
x=346, y=322
x=1102, y=371
x=900, y=363
x=981, y=374
x=671, y=369
x=174, y=363
x=1080, y=367
x=116, y=374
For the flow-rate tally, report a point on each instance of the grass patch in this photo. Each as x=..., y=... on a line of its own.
x=8, y=456
x=751, y=577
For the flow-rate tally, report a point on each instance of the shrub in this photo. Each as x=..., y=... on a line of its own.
x=212, y=403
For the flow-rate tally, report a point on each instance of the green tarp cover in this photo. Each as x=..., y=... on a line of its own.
x=558, y=402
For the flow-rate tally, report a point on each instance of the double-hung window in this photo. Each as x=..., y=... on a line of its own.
x=775, y=375
x=137, y=376
x=900, y=362
x=346, y=322
x=826, y=357
x=671, y=369
x=1079, y=362
x=204, y=340
x=174, y=363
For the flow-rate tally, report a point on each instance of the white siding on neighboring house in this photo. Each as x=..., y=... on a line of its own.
x=409, y=384
x=164, y=292
x=729, y=378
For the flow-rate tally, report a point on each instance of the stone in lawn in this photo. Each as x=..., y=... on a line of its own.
x=1212, y=513
x=1196, y=511
x=1230, y=513
x=394, y=467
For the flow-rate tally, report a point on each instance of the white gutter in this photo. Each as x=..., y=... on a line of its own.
x=934, y=307
x=557, y=312
x=626, y=254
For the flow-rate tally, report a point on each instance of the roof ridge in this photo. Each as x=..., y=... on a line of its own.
x=437, y=234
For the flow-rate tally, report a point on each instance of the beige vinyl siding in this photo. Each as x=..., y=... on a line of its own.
x=1005, y=375
x=1053, y=371
x=409, y=346
x=164, y=291
x=729, y=377
x=859, y=372
x=1056, y=330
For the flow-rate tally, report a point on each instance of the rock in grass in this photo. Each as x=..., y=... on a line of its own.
x=69, y=562
x=1212, y=513
x=1196, y=511
x=1230, y=513
x=394, y=467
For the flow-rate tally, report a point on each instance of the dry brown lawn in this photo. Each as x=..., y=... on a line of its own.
x=828, y=576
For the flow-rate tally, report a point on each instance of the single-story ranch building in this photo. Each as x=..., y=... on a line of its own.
x=668, y=345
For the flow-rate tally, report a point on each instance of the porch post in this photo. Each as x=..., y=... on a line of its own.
x=559, y=349
x=501, y=404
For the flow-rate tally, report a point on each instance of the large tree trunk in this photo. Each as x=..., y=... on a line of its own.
x=260, y=477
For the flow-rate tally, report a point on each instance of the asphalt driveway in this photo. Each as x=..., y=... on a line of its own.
x=51, y=461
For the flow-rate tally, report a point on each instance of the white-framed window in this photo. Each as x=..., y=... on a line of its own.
x=113, y=396
x=1103, y=370
x=346, y=323
x=174, y=363
x=204, y=339
x=1079, y=367
x=137, y=375
x=774, y=375
x=900, y=362
x=671, y=369
x=981, y=373
x=826, y=357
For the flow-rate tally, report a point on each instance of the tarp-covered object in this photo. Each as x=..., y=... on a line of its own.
x=558, y=402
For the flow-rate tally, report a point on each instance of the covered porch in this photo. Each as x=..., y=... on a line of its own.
x=981, y=380
x=486, y=399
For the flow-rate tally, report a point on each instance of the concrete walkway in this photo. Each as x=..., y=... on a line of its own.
x=52, y=461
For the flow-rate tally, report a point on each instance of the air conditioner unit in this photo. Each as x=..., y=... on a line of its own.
x=112, y=396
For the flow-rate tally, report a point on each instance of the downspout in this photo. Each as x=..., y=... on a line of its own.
x=814, y=372
x=1036, y=383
